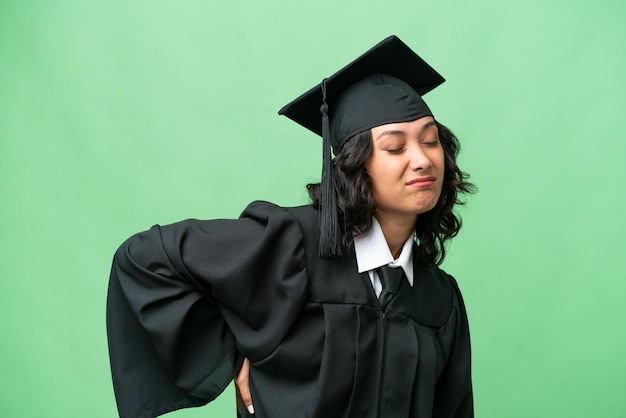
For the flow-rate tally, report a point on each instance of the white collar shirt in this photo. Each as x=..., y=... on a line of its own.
x=373, y=252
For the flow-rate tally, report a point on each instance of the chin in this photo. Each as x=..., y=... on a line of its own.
x=425, y=207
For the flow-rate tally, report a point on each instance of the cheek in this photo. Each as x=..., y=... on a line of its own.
x=440, y=160
x=381, y=179
x=373, y=170
x=379, y=187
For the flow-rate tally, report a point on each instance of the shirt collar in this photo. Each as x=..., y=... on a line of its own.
x=372, y=252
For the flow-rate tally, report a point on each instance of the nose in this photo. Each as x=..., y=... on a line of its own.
x=419, y=159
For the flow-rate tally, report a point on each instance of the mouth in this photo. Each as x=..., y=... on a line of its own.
x=422, y=181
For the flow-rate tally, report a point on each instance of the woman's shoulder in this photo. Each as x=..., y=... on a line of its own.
x=305, y=217
x=438, y=294
x=265, y=209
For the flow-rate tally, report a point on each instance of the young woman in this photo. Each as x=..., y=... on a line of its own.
x=338, y=308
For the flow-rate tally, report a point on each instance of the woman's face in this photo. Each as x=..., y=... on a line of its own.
x=406, y=168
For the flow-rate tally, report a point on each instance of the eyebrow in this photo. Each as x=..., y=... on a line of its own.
x=403, y=133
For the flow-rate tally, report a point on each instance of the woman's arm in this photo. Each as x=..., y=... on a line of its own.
x=188, y=301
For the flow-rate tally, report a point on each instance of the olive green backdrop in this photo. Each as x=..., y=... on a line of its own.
x=120, y=114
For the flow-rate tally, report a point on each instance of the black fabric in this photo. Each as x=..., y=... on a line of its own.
x=187, y=301
x=390, y=56
x=390, y=279
x=376, y=100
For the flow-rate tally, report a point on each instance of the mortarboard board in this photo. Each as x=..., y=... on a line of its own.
x=384, y=85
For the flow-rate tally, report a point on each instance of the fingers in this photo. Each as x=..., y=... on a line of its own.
x=238, y=400
x=242, y=387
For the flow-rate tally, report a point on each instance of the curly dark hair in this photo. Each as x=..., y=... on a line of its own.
x=355, y=201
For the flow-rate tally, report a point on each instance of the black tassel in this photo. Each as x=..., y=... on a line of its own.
x=329, y=245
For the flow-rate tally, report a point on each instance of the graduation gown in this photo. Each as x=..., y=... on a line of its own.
x=187, y=302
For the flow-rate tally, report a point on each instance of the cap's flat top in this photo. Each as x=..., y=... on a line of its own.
x=390, y=56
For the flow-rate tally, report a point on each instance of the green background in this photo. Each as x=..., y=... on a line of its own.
x=120, y=114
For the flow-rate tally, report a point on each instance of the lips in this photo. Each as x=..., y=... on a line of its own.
x=422, y=181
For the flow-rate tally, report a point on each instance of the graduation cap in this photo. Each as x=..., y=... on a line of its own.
x=384, y=85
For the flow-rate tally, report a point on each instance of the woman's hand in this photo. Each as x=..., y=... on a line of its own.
x=242, y=388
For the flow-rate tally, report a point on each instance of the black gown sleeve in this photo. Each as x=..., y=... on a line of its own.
x=453, y=392
x=188, y=301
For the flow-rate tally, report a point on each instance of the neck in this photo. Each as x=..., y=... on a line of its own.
x=396, y=231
